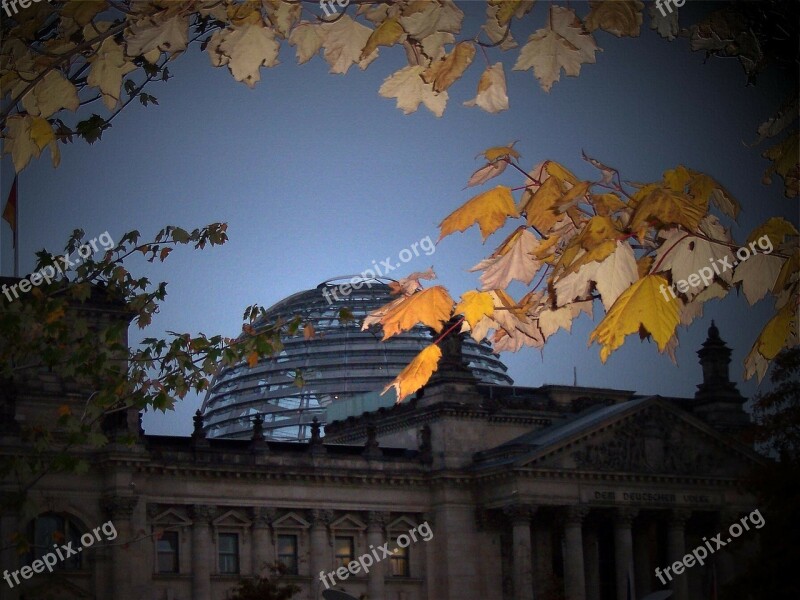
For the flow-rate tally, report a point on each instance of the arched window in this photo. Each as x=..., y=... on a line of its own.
x=48, y=533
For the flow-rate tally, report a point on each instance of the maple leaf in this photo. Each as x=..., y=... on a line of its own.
x=443, y=73
x=489, y=210
x=475, y=306
x=433, y=45
x=666, y=206
x=282, y=15
x=606, y=204
x=431, y=307
x=497, y=152
x=417, y=373
x=640, y=307
x=615, y=274
x=245, y=48
x=388, y=33
x=496, y=32
x=53, y=93
x=18, y=141
x=786, y=159
x=252, y=359
x=665, y=24
x=540, y=206
x=434, y=16
x=757, y=275
x=407, y=86
x=512, y=260
x=343, y=41
x=492, y=93
x=620, y=17
x=516, y=329
x=694, y=260
x=409, y=285
x=562, y=45
x=777, y=332
x=109, y=66
x=168, y=35
x=487, y=172
x=307, y=38
x=551, y=320
x=777, y=229
x=309, y=333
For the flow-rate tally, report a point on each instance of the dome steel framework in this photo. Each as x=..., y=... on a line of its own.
x=340, y=362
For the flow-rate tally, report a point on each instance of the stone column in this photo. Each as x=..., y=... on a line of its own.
x=642, y=567
x=263, y=554
x=320, y=547
x=573, y=554
x=676, y=548
x=119, y=510
x=623, y=550
x=591, y=555
x=520, y=516
x=376, y=522
x=202, y=550
x=542, y=556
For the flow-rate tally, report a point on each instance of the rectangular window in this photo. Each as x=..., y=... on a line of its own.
x=229, y=553
x=345, y=550
x=167, y=552
x=399, y=561
x=287, y=553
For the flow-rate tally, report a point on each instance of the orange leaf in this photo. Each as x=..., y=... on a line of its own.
x=252, y=359
x=431, y=307
x=417, y=373
x=489, y=210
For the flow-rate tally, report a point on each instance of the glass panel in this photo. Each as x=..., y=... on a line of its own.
x=228, y=553
x=167, y=550
x=345, y=550
x=287, y=552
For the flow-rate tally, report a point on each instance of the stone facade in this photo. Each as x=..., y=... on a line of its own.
x=549, y=492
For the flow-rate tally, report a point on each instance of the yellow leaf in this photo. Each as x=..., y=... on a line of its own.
x=492, y=92
x=505, y=10
x=54, y=315
x=495, y=152
x=776, y=229
x=41, y=132
x=64, y=410
x=643, y=265
x=539, y=206
x=790, y=268
x=668, y=207
x=307, y=37
x=417, y=373
x=560, y=171
x=252, y=359
x=431, y=307
x=606, y=204
x=82, y=11
x=775, y=333
x=407, y=86
x=474, y=306
x=109, y=66
x=489, y=210
x=387, y=33
x=641, y=306
x=309, y=333
x=442, y=74
x=786, y=159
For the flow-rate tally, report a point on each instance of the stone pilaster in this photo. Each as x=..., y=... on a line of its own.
x=202, y=556
x=573, y=555
x=376, y=537
x=520, y=516
x=119, y=510
x=676, y=549
x=623, y=550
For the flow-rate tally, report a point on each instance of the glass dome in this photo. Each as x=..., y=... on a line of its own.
x=340, y=362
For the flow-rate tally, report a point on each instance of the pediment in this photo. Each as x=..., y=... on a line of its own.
x=349, y=522
x=171, y=517
x=231, y=519
x=402, y=523
x=290, y=521
x=653, y=438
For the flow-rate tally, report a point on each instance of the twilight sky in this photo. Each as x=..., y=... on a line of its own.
x=318, y=176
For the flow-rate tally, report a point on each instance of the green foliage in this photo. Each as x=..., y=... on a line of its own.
x=271, y=587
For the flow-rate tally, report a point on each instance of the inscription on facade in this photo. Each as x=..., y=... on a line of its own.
x=654, y=497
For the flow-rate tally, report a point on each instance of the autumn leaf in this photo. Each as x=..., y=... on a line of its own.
x=665, y=24
x=475, y=306
x=757, y=275
x=562, y=45
x=620, y=17
x=168, y=35
x=307, y=38
x=694, y=260
x=309, y=333
x=252, y=359
x=641, y=306
x=52, y=94
x=417, y=373
x=421, y=19
x=407, y=86
x=489, y=210
x=431, y=307
x=514, y=259
x=108, y=67
x=343, y=41
x=443, y=73
x=487, y=172
x=492, y=94
x=388, y=33
x=667, y=207
x=786, y=163
x=497, y=152
x=64, y=410
x=410, y=284
x=539, y=206
x=776, y=229
x=776, y=332
x=245, y=48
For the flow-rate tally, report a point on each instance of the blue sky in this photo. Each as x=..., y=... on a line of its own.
x=318, y=176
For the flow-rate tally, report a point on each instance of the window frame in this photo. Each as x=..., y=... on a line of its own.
x=69, y=528
x=403, y=558
x=293, y=569
x=236, y=554
x=175, y=553
x=351, y=555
